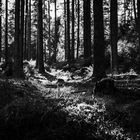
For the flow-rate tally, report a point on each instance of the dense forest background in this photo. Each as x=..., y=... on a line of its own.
x=56, y=31
x=69, y=69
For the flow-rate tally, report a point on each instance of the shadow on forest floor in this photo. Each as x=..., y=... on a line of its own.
x=26, y=114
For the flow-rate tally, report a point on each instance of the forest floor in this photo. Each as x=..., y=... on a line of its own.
x=43, y=107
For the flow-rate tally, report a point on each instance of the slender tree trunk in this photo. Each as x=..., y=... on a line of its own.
x=135, y=13
x=138, y=21
x=6, y=32
x=44, y=32
x=26, y=30
x=29, y=32
x=124, y=11
x=73, y=38
x=65, y=27
x=22, y=32
x=55, y=41
x=0, y=29
x=114, y=34
x=49, y=46
x=87, y=29
x=40, y=38
x=78, y=22
x=68, y=32
x=99, y=46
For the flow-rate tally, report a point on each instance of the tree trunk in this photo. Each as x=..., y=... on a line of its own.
x=135, y=13
x=49, y=24
x=99, y=46
x=55, y=41
x=68, y=32
x=25, y=32
x=18, y=69
x=73, y=38
x=114, y=34
x=44, y=44
x=65, y=24
x=78, y=24
x=29, y=32
x=124, y=11
x=40, y=38
x=21, y=33
x=138, y=20
x=6, y=32
x=87, y=29
x=0, y=29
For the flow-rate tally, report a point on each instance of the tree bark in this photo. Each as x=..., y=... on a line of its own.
x=138, y=21
x=0, y=29
x=99, y=46
x=87, y=29
x=73, y=34
x=29, y=32
x=55, y=41
x=40, y=38
x=25, y=32
x=6, y=32
x=22, y=32
x=78, y=28
x=49, y=24
x=68, y=32
x=18, y=69
x=135, y=13
x=114, y=35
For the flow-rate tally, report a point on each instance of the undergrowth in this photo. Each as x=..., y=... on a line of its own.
x=26, y=115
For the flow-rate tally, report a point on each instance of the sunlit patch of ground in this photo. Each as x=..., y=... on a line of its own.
x=42, y=108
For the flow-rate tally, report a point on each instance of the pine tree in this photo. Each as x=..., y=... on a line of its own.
x=0, y=29
x=68, y=31
x=65, y=28
x=25, y=32
x=78, y=27
x=73, y=34
x=40, y=38
x=18, y=65
x=6, y=32
x=99, y=45
x=87, y=29
x=114, y=34
x=29, y=31
x=138, y=21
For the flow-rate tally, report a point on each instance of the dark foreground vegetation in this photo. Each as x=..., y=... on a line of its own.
x=30, y=110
